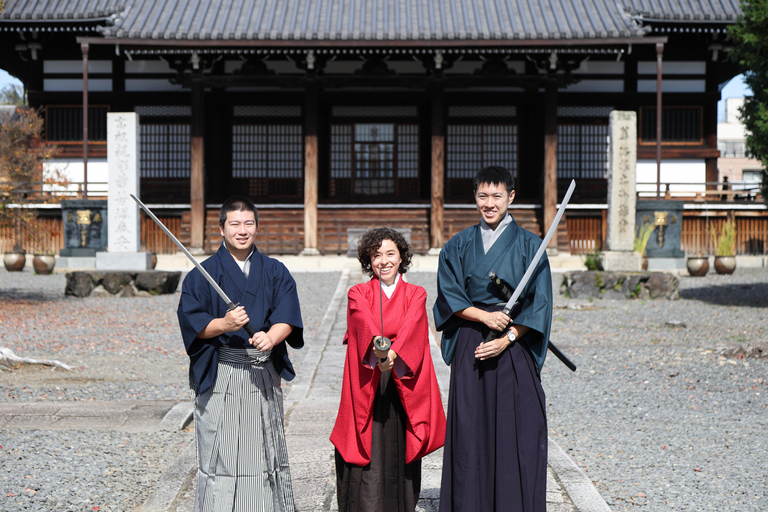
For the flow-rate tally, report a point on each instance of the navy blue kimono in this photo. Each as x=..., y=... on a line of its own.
x=495, y=455
x=269, y=297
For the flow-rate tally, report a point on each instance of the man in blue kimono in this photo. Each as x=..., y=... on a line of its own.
x=495, y=456
x=242, y=458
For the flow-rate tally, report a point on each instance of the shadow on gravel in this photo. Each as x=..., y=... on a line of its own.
x=9, y=295
x=747, y=295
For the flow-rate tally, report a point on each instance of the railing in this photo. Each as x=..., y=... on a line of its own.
x=735, y=191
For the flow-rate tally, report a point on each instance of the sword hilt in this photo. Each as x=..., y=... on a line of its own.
x=247, y=326
x=493, y=333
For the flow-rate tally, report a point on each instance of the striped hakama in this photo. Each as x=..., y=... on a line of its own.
x=241, y=451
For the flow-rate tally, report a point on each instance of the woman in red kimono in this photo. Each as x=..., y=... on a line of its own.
x=390, y=415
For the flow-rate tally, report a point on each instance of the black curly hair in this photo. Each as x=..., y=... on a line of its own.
x=371, y=241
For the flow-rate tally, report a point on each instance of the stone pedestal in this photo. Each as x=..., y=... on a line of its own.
x=124, y=229
x=619, y=243
x=621, y=261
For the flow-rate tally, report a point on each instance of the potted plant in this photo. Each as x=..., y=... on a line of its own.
x=697, y=265
x=642, y=235
x=724, y=243
x=22, y=155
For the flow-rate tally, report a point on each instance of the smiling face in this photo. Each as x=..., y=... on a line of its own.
x=386, y=262
x=493, y=200
x=239, y=232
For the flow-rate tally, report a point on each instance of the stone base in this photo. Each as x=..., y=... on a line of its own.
x=78, y=252
x=434, y=251
x=75, y=262
x=667, y=264
x=621, y=261
x=123, y=260
x=620, y=285
x=121, y=284
x=309, y=251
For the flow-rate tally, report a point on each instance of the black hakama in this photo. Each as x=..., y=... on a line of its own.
x=496, y=441
x=387, y=484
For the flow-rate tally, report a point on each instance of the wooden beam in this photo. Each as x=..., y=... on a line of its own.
x=659, y=54
x=550, y=155
x=84, y=48
x=197, y=172
x=311, y=161
x=438, y=170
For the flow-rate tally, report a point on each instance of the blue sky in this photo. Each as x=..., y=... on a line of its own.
x=734, y=89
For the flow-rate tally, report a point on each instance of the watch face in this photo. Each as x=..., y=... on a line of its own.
x=511, y=336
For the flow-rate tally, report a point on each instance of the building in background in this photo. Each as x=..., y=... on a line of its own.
x=339, y=114
x=734, y=163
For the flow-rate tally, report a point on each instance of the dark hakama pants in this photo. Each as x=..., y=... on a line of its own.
x=495, y=456
x=387, y=484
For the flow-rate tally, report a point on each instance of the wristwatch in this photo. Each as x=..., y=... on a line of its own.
x=512, y=337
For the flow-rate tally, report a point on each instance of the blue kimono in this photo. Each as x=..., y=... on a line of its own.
x=495, y=455
x=269, y=297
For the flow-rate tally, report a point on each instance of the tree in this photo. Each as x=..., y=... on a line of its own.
x=13, y=94
x=22, y=155
x=750, y=38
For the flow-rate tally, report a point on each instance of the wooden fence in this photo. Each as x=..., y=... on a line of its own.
x=282, y=232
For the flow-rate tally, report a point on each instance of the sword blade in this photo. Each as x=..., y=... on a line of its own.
x=206, y=275
x=543, y=247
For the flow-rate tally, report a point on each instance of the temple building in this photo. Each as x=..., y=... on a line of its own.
x=336, y=114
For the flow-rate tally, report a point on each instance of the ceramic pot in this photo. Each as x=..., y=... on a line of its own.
x=645, y=264
x=43, y=263
x=154, y=260
x=14, y=261
x=697, y=265
x=725, y=264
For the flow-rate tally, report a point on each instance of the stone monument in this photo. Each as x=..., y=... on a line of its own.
x=622, y=160
x=123, y=231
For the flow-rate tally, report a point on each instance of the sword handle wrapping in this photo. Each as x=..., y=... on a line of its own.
x=247, y=326
x=493, y=333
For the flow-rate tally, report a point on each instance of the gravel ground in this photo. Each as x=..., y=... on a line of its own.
x=82, y=469
x=655, y=415
x=122, y=348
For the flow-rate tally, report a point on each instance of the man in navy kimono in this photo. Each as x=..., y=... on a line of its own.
x=495, y=456
x=242, y=458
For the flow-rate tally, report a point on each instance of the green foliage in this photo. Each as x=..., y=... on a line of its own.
x=592, y=260
x=750, y=38
x=642, y=235
x=725, y=241
x=13, y=94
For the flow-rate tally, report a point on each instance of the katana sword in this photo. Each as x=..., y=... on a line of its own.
x=506, y=292
x=535, y=261
x=230, y=305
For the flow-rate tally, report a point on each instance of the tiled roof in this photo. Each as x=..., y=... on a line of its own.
x=373, y=20
x=64, y=10
x=685, y=10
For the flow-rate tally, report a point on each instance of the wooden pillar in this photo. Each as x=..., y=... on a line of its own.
x=438, y=171
x=311, y=160
x=84, y=47
x=197, y=172
x=659, y=54
x=550, y=155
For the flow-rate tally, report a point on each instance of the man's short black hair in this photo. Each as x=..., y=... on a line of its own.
x=237, y=204
x=494, y=175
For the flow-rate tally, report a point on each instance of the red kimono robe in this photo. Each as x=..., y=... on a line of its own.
x=405, y=323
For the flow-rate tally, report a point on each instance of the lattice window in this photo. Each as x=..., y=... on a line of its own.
x=64, y=123
x=268, y=159
x=470, y=147
x=582, y=150
x=164, y=150
x=374, y=111
x=679, y=125
x=374, y=159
